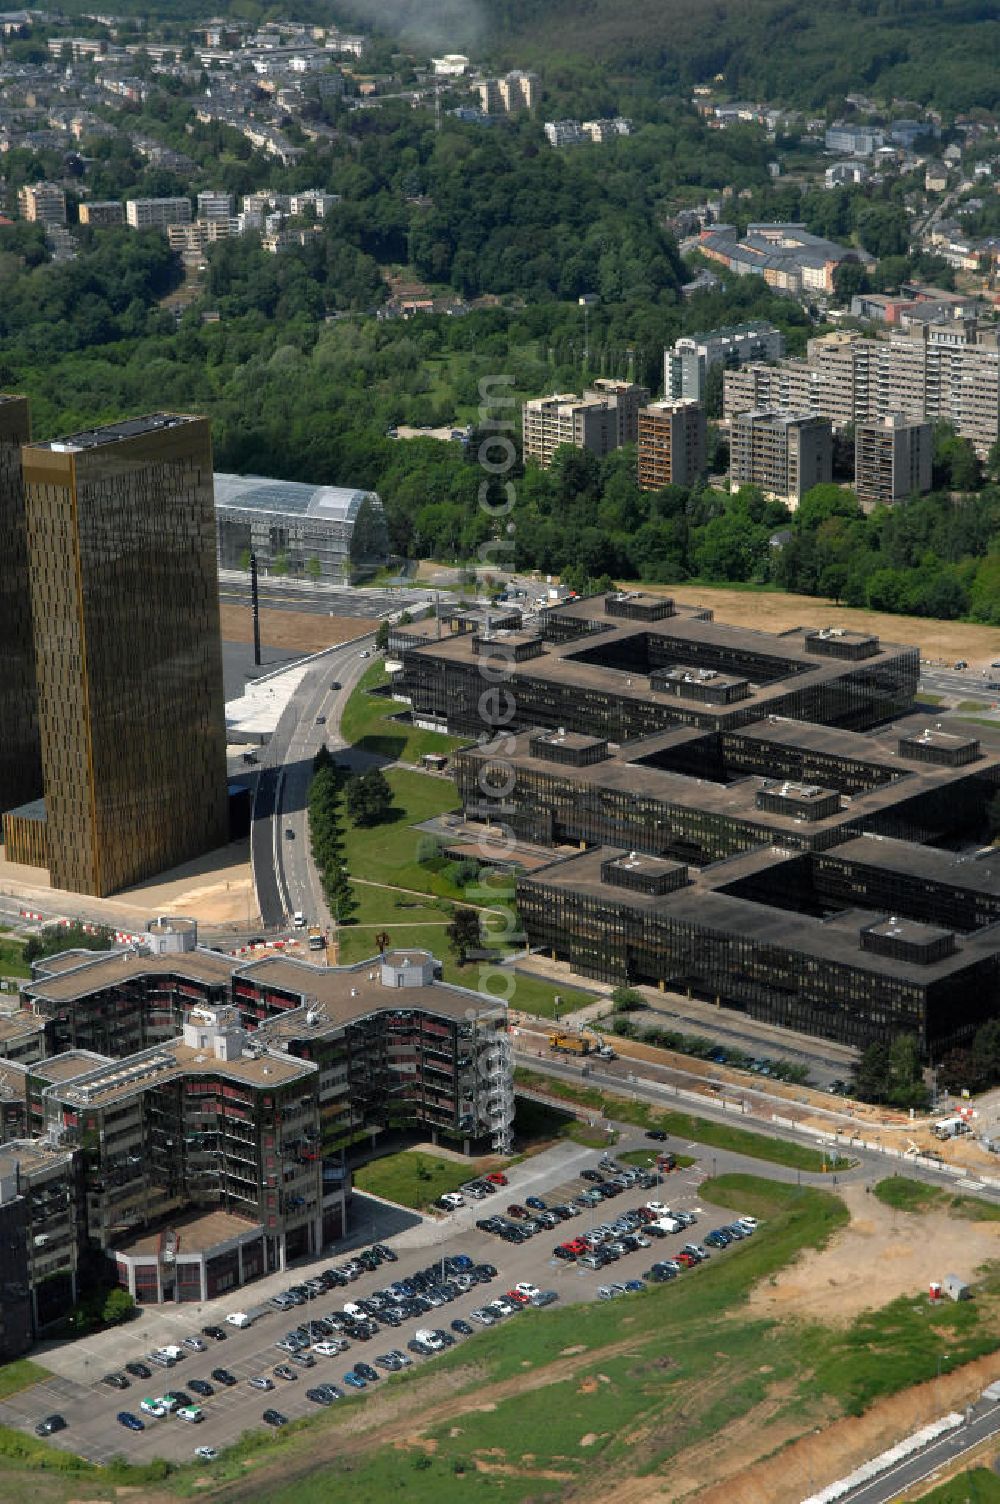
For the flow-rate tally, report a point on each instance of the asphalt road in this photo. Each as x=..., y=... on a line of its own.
x=982, y=1421
x=284, y=875
x=634, y=1079
x=91, y=1408
x=322, y=600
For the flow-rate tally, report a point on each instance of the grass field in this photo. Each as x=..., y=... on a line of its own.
x=12, y=962
x=681, y=1124
x=20, y=1374
x=413, y=1178
x=978, y=1486
x=913, y=1196
x=367, y=722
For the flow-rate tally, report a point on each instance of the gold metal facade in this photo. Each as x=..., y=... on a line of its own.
x=121, y=539
x=20, y=757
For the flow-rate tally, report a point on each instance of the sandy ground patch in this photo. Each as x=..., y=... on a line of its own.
x=305, y=630
x=881, y=1254
x=216, y=888
x=778, y=610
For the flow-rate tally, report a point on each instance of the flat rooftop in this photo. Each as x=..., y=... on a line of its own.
x=121, y=1079
x=196, y=1232
x=114, y=433
x=69, y=1065
x=342, y=996
x=769, y=662
x=31, y=1156
x=978, y=872
x=15, y=1025
x=94, y=970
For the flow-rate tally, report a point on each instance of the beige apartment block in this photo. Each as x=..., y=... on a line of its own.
x=604, y=418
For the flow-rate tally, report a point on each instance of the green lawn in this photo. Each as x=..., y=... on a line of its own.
x=413, y=1178
x=388, y=853
x=535, y=996
x=681, y=1125
x=12, y=962
x=978, y=1486
x=367, y=722
x=913, y=1196
x=20, y=1374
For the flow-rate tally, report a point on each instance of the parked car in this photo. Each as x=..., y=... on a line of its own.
x=201, y=1387
x=139, y=1370
x=224, y=1377
x=274, y=1418
x=50, y=1425
x=283, y=1371
x=206, y=1454
x=261, y=1381
x=217, y=1333
x=115, y=1381
x=319, y=1396
x=129, y=1421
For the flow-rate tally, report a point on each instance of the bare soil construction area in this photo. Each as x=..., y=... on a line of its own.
x=882, y=1253
x=306, y=631
x=775, y=611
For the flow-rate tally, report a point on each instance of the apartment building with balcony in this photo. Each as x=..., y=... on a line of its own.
x=157, y=213
x=672, y=444
x=42, y=203
x=785, y=454
x=892, y=460
x=604, y=418
x=687, y=363
x=947, y=369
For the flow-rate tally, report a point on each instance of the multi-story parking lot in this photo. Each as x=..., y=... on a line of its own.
x=90, y=1407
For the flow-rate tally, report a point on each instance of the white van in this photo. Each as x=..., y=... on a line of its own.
x=191, y=1413
x=299, y=919
x=239, y=1318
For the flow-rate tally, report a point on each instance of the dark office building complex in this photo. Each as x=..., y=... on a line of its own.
x=121, y=549
x=20, y=755
x=627, y=666
x=780, y=938
x=703, y=796
x=835, y=883
x=760, y=821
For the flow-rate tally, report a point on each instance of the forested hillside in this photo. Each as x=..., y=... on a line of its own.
x=945, y=52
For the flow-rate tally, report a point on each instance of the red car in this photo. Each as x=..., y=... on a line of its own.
x=516, y=1210
x=496, y=1177
x=518, y=1296
x=687, y=1260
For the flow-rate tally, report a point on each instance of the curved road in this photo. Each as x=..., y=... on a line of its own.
x=285, y=878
